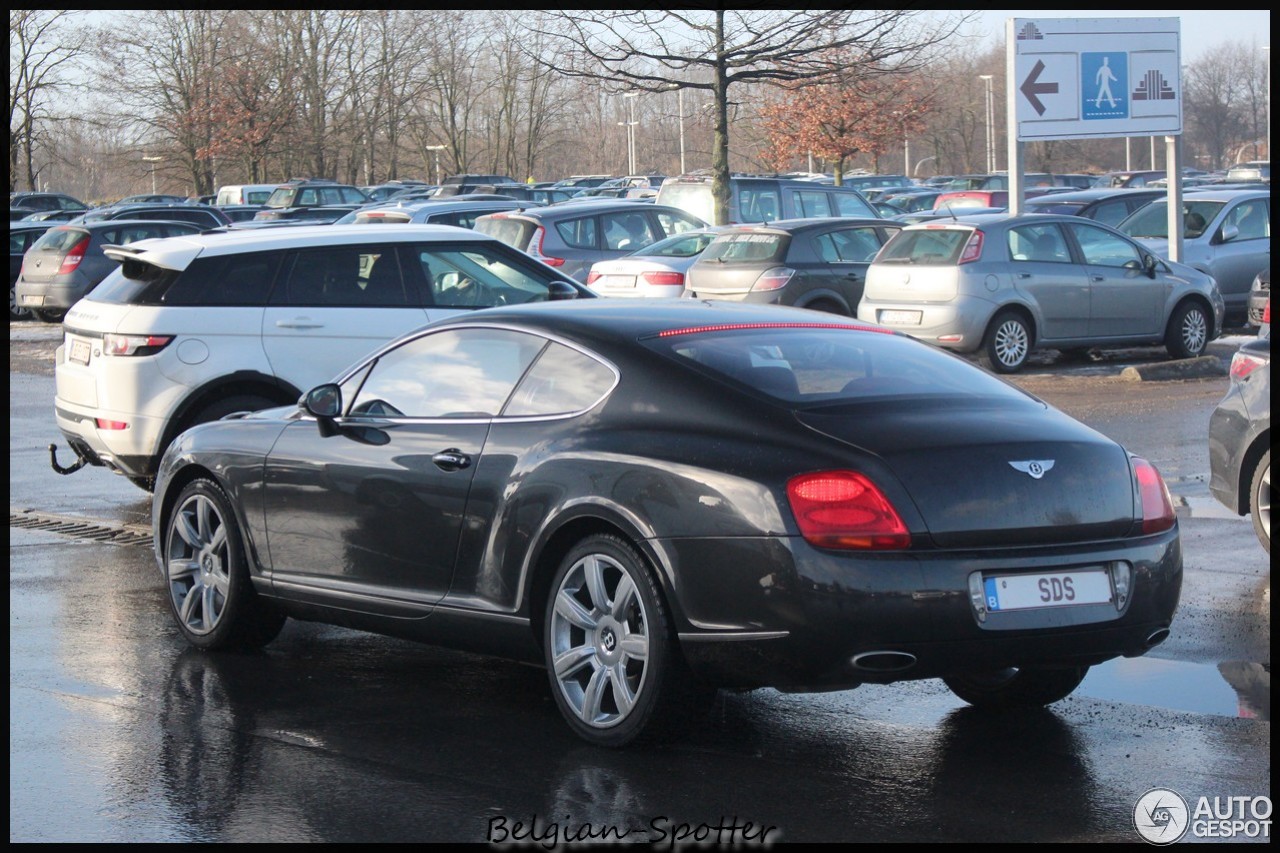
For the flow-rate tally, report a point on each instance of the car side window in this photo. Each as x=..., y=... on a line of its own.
x=459, y=373
x=306, y=197
x=562, y=381
x=812, y=203
x=850, y=245
x=674, y=223
x=759, y=204
x=479, y=277
x=626, y=231
x=1041, y=243
x=1252, y=217
x=578, y=233
x=848, y=204
x=354, y=276
x=1111, y=213
x=237, y=280
x=1102, y=248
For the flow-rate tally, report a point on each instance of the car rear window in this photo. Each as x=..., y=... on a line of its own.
x=747, y=247
x=827, y=365
x=510, y=230
x=59, y=240
x=926, y=246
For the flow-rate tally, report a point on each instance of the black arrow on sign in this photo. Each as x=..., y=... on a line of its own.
x=1030, y=88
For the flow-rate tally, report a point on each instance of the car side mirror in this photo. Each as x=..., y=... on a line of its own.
x=324, y=403
x=558, y=290
x=1226, y=234
x=1150, y=265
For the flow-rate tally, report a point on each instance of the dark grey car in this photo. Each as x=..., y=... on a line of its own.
x=807, y=263
x=1240, y=439
x=68, y=261
x=574, y=235
x=1107, y=205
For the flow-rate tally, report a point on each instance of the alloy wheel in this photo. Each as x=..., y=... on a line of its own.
x=198, y=564
x=599, y=637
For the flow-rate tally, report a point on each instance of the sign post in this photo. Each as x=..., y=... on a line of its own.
x=1095, y=78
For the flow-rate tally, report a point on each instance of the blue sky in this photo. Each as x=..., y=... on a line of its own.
x=1201, y=30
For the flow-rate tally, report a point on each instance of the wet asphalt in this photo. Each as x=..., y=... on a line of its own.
x=121, y=733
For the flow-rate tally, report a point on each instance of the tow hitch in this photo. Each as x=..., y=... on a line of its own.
x=71, y=469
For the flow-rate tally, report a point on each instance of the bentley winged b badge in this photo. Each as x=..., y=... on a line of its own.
x=1035, y=467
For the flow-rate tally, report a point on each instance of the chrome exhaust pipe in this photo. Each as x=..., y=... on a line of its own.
x=1157, y=637
x=883, y=661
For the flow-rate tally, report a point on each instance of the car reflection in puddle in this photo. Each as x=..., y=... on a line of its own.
x=1228, y=689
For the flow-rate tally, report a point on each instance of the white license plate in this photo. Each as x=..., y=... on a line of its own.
x=33, y=300
x=610, y=282
x=79, y=351
x=900, y=318
x=1059, y=589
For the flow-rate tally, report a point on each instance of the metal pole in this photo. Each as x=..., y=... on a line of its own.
x=680, y=101
x=1128, y=159
x=990, y=109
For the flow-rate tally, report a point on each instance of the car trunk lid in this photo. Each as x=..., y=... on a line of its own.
x=734, y=261
x=1046, y=480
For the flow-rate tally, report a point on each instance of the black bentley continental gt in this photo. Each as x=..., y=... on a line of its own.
x=655, y=501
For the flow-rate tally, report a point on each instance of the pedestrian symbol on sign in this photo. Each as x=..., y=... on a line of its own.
x=1104, y=85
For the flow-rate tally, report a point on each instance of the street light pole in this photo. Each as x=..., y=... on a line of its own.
x=631, y=130
x=680, y=106
x=991, y=150
x=153, y=161
x=437, y=149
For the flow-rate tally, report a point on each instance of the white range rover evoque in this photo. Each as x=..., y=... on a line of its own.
x=191, y=329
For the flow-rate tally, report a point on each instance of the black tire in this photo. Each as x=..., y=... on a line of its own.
x=1026, y=687
x=210, y=595
x=16, y=313
x=1187, y=335
x=1007, y=343
x=45, y=315
x=605, y=601
x=1260, y=500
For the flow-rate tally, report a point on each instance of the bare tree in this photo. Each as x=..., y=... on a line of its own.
x=716, y=50
x=44, y=47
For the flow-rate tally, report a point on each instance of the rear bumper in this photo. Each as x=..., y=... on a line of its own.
x=794, y=617
x=962, y=321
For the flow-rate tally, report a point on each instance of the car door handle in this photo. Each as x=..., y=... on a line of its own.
x=452, y=459
x=1024, y=275
x=1096, y=277
x=299, y=323
x=853, y=276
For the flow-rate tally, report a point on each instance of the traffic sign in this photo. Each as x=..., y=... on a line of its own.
x=1087, y=78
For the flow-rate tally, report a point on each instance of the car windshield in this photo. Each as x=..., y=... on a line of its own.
x=1153, y=219
x=829, y=365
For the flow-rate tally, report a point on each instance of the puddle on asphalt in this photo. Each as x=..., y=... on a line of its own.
x=1228, y=689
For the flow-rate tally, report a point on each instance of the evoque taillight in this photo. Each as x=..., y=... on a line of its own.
x=134, y=344
x=846, y=510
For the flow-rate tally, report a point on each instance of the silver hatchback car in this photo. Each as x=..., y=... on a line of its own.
x=1005, y=285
